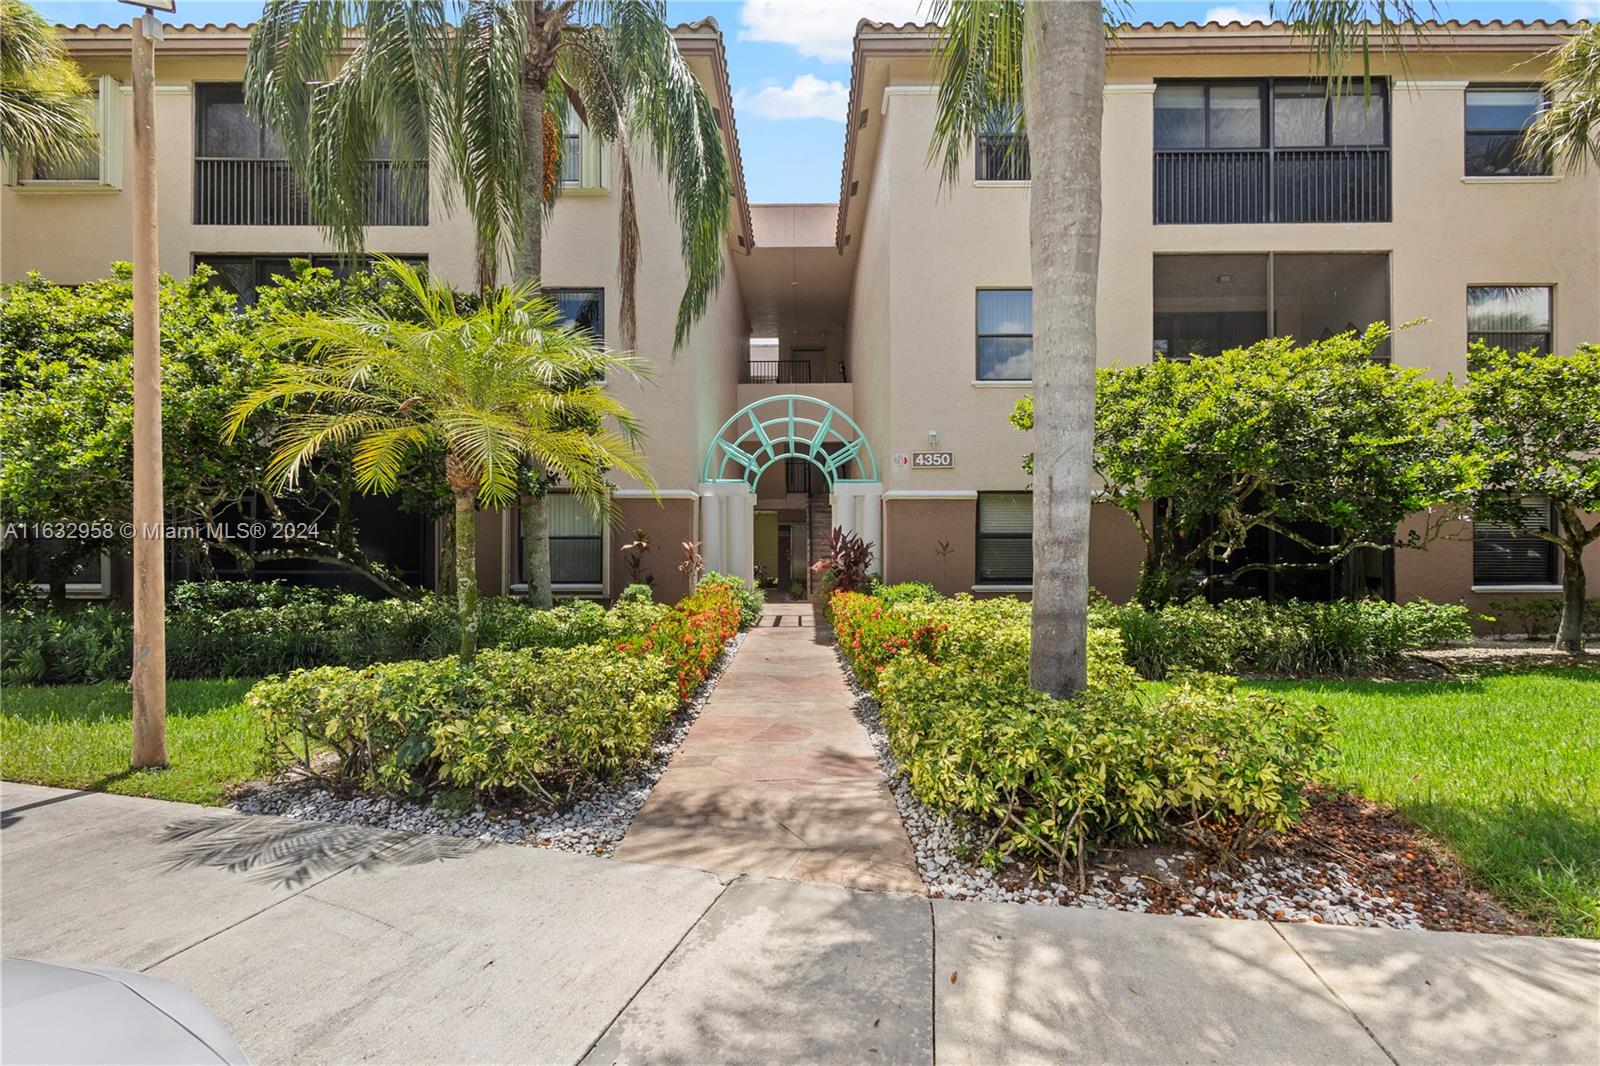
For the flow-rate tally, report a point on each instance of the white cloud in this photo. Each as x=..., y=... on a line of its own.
x=821, y=29
x=808, y=96
x=1238, y=14
x=1583, y=9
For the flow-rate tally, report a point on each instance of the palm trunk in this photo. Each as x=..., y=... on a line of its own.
x=466, y=520
x=1574, y=587
x=527, y=266
x=536, y=549
x=463, y=489
x=1064, y=87
x=447, y=557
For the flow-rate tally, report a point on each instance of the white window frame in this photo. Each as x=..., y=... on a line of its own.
x=592, y=168
x=106, y=111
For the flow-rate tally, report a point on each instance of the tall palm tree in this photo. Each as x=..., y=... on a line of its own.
x=1568, y=131
x=481, y=87
x=43, y=97
x=1039, y=67
x=490, y=389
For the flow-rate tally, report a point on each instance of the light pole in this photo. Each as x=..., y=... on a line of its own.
x=149, y=564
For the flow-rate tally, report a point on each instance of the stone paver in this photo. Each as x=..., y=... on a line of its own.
x=319, y=943
x=777, y=778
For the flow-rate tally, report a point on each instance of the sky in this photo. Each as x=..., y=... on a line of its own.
x=789, y=64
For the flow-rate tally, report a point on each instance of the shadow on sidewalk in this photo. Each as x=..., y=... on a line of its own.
x=292, y=854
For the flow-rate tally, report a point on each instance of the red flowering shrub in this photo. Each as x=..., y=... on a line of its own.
x=872, y=633
x=691, y=635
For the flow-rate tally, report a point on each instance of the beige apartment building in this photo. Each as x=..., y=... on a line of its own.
x=860, y=357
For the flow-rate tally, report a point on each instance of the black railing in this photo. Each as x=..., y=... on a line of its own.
x=1512, y=341
x=1201, y=186
x=778, y=372
x=267, y=192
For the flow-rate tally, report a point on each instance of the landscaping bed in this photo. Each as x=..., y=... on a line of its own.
x=1365, y=803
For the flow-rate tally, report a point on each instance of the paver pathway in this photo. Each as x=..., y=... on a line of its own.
x=777, y=778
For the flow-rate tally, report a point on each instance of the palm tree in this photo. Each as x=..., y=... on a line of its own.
x=491, y=389
x=1039, y=68
x=44, y=99
x=482, y=87
x=1568, y=132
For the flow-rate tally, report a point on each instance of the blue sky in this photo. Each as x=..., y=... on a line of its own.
x=789, y=64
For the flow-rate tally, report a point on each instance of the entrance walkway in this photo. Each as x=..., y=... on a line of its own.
x=777, y=778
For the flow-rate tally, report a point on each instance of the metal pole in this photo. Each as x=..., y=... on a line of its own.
x=149, y=576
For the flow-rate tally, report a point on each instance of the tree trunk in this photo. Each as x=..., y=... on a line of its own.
x=536, y=549
x=463, y=488
x=1574, y=587
x=466, y=518
x=1064, y=86
x=446, y=576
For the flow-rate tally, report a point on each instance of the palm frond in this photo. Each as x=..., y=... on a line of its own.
x=1339, y=31
x=1568, y=131
x=981, y=59
x=44, y=99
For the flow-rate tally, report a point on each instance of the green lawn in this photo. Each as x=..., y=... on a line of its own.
x=80, y=736
x=1504, y=768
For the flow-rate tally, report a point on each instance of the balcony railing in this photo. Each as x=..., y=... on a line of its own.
x=778, y=372
x=267, y=192
x=1202, y=186
x=1003, y=157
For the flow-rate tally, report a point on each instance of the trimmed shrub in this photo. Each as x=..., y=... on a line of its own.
x=1540, y=616
x=1046, y=781
x=750, y=600
x=292, y=630
x=1294, y=638
x=521, y=723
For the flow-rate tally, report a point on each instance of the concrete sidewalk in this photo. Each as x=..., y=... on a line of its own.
x=319, y=943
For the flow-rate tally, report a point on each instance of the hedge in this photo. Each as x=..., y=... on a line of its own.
x=229, y=629
x=1046, y=780
x=511, y=724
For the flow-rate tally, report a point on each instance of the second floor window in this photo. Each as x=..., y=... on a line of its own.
x=1003, y=157
x=99, y=163
x=1005, y=334
x=582, y=156
x=1514, y=317
x=1497, y=118
x=583, y=309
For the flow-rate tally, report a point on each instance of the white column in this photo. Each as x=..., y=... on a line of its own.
x=727, y=528
x=858, y=509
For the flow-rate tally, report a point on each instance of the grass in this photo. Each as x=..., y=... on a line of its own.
x=1505, y=769
x=80, y=736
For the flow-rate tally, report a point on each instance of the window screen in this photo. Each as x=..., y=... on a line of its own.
x=1005, y=334
x=1504, y=556
x=1005, y=538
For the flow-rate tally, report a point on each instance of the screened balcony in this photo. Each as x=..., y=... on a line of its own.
x=242, y=178
x=1274, y=151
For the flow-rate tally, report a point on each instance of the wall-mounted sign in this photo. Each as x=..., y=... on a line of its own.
x=933, y=460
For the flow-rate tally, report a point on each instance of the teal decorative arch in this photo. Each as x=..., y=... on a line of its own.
x=788, y=427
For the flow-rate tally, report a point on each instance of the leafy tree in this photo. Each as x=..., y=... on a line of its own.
x=484, y=87
x=66, y=424
x=1536, y=424
x=490, y=388
x=43, y=97
x=1279, y=437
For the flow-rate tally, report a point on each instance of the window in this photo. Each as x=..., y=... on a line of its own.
x=1306, y=115
x=582, y=156
x=99, y=165
x=1513, y=317
x=577, y=551
x=583, y=309
x=1208, y=116
x=1003, y=157
x=1005, y=538
x=797, y=475
x=246, y=275
x=1005, y=334
x=227, y=130
x=1497, y=117
x=1503, y=556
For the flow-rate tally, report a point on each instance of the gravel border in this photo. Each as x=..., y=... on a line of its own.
x=1272, y=885
x=593, y=824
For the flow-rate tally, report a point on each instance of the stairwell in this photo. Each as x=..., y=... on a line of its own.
x=819, y=526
